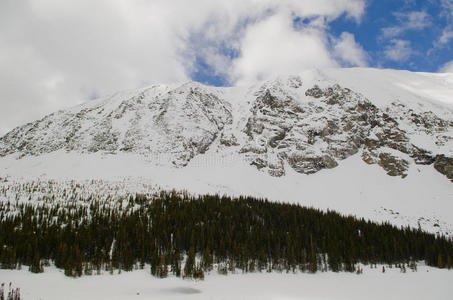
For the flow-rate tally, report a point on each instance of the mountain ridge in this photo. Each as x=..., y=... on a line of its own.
x=307, y=122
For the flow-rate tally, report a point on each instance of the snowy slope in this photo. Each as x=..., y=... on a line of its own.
x=374, y=143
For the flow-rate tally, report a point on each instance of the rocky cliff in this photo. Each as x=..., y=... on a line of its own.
x=290, y=122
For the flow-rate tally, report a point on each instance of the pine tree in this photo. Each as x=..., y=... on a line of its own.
x=35, y=266
x=313, y=264
x=190, y=263
x=162, y=270
x=440, y=261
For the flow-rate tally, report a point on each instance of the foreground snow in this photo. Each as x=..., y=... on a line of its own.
x=426, y=283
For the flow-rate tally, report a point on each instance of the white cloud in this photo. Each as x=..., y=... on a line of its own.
x=447, y=35
x=55, y=54
x=349, y=52
x=273, y=46
x=447, y=68
x=398, y=50
x=331, y=9
x=414, y=20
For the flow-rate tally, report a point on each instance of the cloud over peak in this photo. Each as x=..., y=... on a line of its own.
x=55, y=54
x=63, y=53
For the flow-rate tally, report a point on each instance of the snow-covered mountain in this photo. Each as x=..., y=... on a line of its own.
x=376, y=143
x=307, y=123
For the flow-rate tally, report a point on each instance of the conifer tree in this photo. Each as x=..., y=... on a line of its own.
x=190, y=263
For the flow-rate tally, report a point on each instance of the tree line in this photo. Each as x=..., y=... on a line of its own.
x=176, y=233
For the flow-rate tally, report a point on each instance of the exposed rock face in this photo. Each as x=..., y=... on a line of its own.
x=444, y=165
x=330, y=125
x=228, y=140
x=288, y=125
x=394, y=165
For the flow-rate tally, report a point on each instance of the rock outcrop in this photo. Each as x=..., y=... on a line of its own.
x=288, y=124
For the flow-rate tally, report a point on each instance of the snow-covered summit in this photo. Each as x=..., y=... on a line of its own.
x=307, y=122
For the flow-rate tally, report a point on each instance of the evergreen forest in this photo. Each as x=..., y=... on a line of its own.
x=185, y=235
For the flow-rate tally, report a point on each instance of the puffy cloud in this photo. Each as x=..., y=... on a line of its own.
x=398, y=50
x=55, y=54
x=274, y=46
x=242, y=33
x=349, y=52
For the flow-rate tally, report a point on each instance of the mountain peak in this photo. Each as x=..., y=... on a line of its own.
x=305, y=122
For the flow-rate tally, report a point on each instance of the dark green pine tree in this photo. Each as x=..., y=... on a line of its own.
x=36, y=266
x=190, y=263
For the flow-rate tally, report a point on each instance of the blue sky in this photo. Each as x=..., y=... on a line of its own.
x=55, y=54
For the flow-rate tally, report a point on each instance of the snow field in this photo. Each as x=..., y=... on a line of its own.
x=426, y=283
